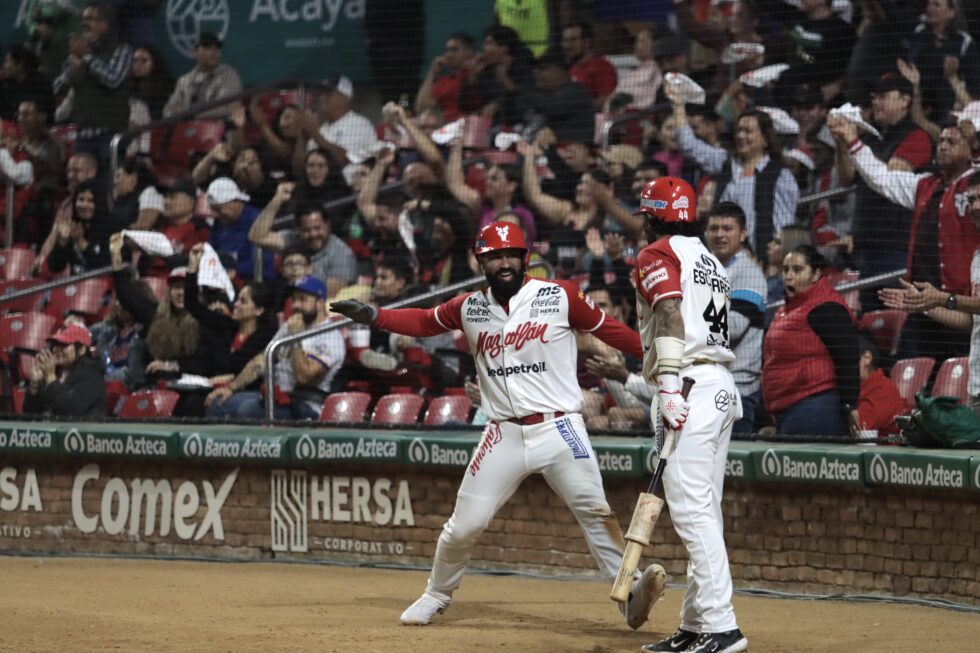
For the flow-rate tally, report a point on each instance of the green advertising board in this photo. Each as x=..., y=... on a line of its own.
x=231, y=444
x=269, y=40
x=739, y=466
x=918, y=468
x=975, y=473
x=29, y=438
x=837, y=464
x=369, y=447
x=126, y=440
x=441, y=450
x=621, y=457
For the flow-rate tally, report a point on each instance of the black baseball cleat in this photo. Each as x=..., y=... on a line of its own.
x=679, y=641
x=732, y=641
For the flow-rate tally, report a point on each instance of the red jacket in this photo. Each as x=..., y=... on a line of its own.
x=879, y=403
x=958, y=238
x=796, y=363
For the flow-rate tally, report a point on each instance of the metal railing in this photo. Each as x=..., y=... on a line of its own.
x=121, y=138
x=8, y=236
x=57, y=283
x=277, y=343
x=858, y=284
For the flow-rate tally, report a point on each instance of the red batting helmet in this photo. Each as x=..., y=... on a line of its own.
x=499, y=235
x=669, y=199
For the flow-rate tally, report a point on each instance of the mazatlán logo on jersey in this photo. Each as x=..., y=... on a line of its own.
x=502, y=232
x=492, y=344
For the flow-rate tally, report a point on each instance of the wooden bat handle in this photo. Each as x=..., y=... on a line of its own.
x=686, y=387
x=624, y=579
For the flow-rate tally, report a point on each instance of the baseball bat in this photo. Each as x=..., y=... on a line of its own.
x=645, y=516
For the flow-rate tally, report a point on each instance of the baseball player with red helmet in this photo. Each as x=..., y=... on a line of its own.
x=521, y=333
x=683, y=299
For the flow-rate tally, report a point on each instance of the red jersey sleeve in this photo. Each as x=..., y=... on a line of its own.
x=422, y=322
x=584, y=315
x=658, y=272
x=915, y=149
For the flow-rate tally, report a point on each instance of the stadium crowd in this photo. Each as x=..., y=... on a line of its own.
x=828, y=141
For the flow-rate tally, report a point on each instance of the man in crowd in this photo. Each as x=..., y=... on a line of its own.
x=232, y=221
x=558, y=102
x=594, y=73
x=20, y=82
x=207, y=81
x=96, y=72
x=302, y=376
x=444, y=79
x=881, y=228
x=347, y=135
x=726, y=236
x=333, y=261
x=958, y=310
x=942, y=236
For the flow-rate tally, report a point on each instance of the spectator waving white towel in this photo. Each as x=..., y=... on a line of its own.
x=212, y=274
x=151, y=242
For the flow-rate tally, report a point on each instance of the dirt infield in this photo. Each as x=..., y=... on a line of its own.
x=85, y=604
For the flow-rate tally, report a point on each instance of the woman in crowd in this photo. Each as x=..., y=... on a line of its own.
x=67, y=380
x=172, y=334
x=151, y=81
x=280, y=138
x=321, y=183
x=810, y=373
x=82, y=241
x=755, y=162
x=502, y=192
x=232, y=340
x=133, y=193
x=791, y=237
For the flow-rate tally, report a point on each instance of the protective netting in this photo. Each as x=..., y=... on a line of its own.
x=357, y=147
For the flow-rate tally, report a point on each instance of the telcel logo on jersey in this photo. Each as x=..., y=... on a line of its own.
x=492, y=344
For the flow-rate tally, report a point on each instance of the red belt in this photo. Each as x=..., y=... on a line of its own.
x=536, y=418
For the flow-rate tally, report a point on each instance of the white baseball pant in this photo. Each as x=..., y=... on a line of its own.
x=693, y=483
x=508, y=453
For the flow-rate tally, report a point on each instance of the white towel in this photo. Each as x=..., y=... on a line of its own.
x=503, y=140
x=212, y=274
x=761, y=76
x=852, y=113
x=151, y=242
x=448, y=132
x=736, y=52
x=782, y=121
x=691, y=91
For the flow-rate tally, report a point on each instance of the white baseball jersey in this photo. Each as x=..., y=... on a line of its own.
x=682, y=267
x=525, y=352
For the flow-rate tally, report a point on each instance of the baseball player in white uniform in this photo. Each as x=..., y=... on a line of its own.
x=683, y=300
x=520, y=331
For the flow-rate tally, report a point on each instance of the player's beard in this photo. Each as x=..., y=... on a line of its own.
x=503, y=290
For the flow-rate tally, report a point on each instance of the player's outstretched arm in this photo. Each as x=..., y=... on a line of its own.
x=415, y=322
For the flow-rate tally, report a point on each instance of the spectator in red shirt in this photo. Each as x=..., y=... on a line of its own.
x=445, y=77
x=182, y=228
x=879, y=400
x=595, y=73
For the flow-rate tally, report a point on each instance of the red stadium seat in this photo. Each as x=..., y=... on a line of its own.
x=450, y=409
x=851, y=298
x=19, y=394
x=192, y=138
x=26, y=330
x=885, y=327
x=345, y=407
x=15, y=262
x=88, y=297
x=398, y=409
x=496, y=157
x=911, y=375
x=25, y=304
x=952, y=378
x=476, y=132
x=149, y=403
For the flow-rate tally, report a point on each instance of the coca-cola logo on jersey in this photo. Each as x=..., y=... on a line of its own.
x=492, y=344
x=546, y=301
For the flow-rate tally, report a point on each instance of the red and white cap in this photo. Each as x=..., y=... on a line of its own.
x=669, y=199
x=499, y=235
x=74, y=334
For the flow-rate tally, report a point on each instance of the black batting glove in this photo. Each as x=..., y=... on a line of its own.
x=355, y=310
